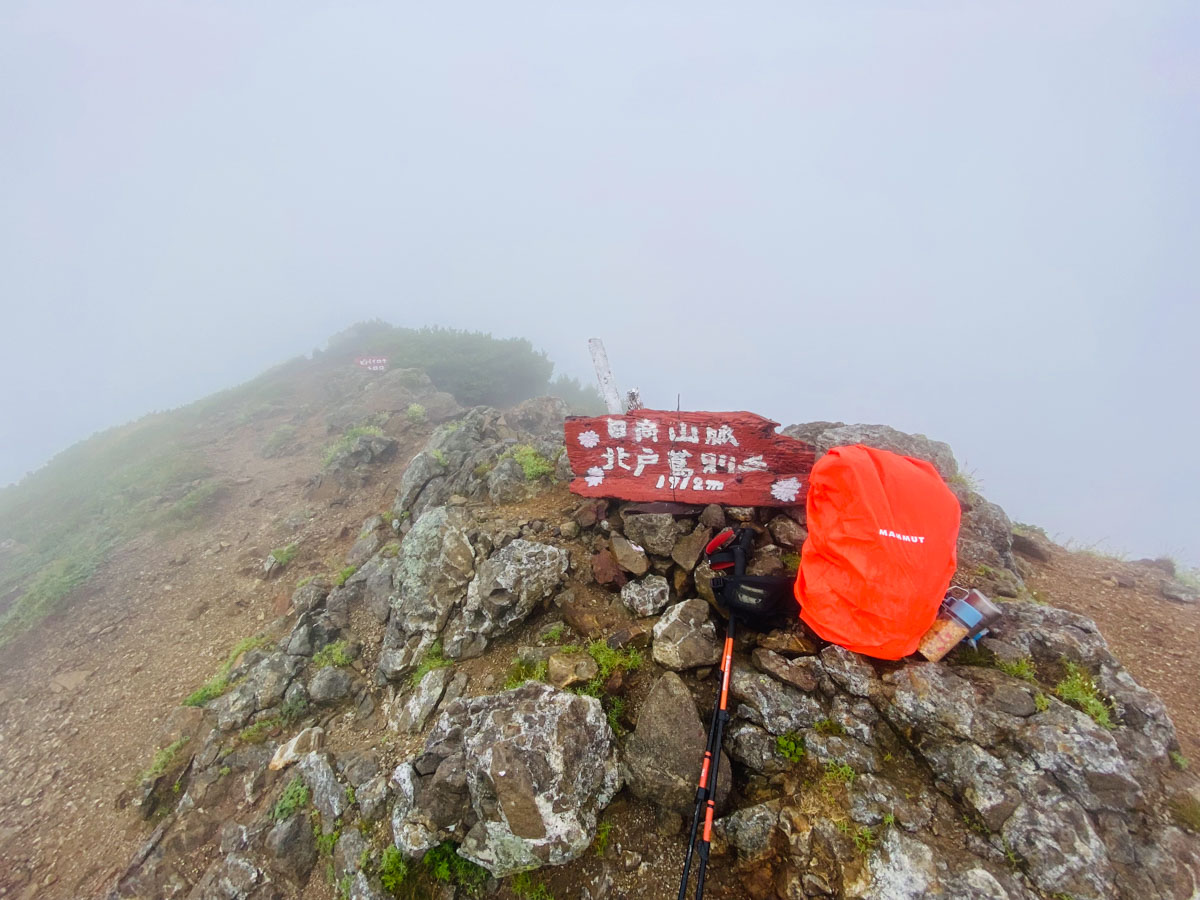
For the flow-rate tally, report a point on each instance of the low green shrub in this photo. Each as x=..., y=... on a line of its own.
x=1078, y=689
x=162, y=760
x=294, y=798
x=433, y=659
x=334, y=654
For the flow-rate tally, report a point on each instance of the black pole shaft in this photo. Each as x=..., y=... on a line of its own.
x=721, y=717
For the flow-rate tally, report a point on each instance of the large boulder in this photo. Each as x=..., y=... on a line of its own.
x=519, y=776
x=662, y=757
x=507, y=588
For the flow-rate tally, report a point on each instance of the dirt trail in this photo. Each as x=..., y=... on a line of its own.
x=83, y=697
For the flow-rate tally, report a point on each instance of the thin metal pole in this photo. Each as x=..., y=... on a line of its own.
x=604, y=375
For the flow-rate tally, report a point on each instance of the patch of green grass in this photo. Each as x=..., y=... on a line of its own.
x=828, y=726
x=1022, y=668
x=1025, y=528
x=223, y=771
x=284, y=555
x=601, y=842
x=351, y=796
x=609, y=660
x=554, y=633
x=294, y=798
x=433, y=659
x=293, y=710
x=445, y=866
x=260, y=730
x=889, y=820
x=219, y=683
x=525, y=887
x=483, y=469
x=967, y=480
x=1041, y=702
x=439, y=457
x=521, y=672
x=340, y=578
x=326, y=842
x=1179, y=761
x=334, y=654
x=393, y=869
x=303, y=581
x=966, y=655
x=415, y=414
x=839, y=772
x=790, y=746
x=390, y=550
x=614, y=711
x=532, y=463
x=864, y=839
x=343, y=444
x=1185, y=811
x=162, y=760
x=1078, y=689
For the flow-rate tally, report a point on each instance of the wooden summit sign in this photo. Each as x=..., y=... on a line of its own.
x=731, y=458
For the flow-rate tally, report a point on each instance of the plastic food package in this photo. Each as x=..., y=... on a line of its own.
x=943, y=635
x=964, y=614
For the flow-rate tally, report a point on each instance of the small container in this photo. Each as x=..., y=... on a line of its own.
x=964, y=615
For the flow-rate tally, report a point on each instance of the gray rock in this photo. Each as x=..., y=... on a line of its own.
x=749, y=830
x=234, y=877
x=310, y=596
x=348, y=852
x=754, y=748
x=662, y=756
x=378, y=574
x=713, y=516
x=653, y=531
x=688, y=547
x=684, y=638
x=328, y=794
x=882, y=437
x=535, y=766
x=1180, y=593
x=773, y=706
x=630, y=557
x=506, y=482
x=365, y=547
x=436, y=565
x=358, y=766
x=647, y=596
x=787, y=532
x=371, y=797
x=507, y=588
x=566, y=669
x=291, y=849
x=412, y=716
x=800, y=673
x=330, y=685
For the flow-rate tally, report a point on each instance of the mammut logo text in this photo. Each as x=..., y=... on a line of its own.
x=907, y=538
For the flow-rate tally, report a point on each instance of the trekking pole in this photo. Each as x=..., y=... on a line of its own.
x=706, y=791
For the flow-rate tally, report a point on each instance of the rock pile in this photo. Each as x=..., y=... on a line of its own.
x=1033, y=767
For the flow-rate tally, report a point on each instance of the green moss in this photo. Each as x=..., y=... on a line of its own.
x=340, y=578
x=219, y=683
x=1078, y=689
x=162, y=760
x=393, y=870
x=440, y=458
x=600, y=844
x=532, y=463
x=1022, y=668
x=790, y=746
x=554, y=634
x=433, y=659
x=294, y=798
x=839, y=772
x=828, y=726
x=334, y=654
x=1185, y=811
x=525, y=887
x=343, y=444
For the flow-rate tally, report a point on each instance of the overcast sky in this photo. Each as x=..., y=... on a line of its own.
x=978, y=221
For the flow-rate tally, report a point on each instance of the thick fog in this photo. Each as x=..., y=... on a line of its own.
x=977, y=221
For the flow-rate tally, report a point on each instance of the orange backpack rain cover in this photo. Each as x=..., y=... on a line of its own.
x=882, y=530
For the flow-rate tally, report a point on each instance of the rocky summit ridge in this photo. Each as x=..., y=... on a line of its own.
x=505, y=691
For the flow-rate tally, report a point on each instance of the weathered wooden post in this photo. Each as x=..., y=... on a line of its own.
x=608, y=387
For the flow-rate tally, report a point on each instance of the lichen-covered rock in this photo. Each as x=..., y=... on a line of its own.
x=662, y=757
x=524, y=773
x=771, y=705
x=647, y=596
x=685, y=638
x=291, y=849
x=328, y=794
x=413, y=714
x=507, y=588
x=330, y=685
x=653, y=531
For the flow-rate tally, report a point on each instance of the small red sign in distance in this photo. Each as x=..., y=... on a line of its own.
x=373, y=363
x=730, y=458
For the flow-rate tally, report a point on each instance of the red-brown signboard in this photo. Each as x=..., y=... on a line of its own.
x=373, y=363
x=731, y=458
